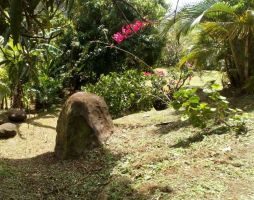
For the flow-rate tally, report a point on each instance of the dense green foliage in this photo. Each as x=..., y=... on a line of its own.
x=50, y=49
x=22, y=20
x=19, y=71
x=89, y=49
x=48, y=54
x=128, y=92
x=26, y=38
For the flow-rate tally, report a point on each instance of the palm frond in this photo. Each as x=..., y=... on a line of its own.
x=216, y=30
x=192, y=16
x=222, y=7
x=188, y=16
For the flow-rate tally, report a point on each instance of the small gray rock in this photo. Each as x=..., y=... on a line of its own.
x=8, y=130
x=16, y=115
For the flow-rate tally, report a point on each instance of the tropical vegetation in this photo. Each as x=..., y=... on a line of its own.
x=178, y=82
x=222, y=38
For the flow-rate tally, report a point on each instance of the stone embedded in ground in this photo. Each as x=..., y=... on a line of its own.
x=8, y=130
x=3, y=118
x=160, y=104
x=17, y=115
x=84, y=123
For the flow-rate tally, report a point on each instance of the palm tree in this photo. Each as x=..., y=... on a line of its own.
x=230, y=29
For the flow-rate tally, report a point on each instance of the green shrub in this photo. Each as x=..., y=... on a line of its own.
x=125, y=93
x=215, y=109
x=46, y=92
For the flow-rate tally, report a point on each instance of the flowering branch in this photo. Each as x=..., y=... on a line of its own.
x=128, y=30
x=120, y=49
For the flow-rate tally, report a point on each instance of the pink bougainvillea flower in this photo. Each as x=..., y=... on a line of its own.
x=128, y=26
x=139, y=24
x=123, y=29
x=135, y=28
x=148, y=74
x=127, y=31
x=118, y=37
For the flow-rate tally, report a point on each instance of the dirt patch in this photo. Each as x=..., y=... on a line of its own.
x=37, y=136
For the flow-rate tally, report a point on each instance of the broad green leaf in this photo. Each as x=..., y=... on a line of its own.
x=203, y=105
x=194, y=99
x=216, y=87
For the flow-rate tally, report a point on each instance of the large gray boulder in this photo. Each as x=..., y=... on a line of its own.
x=8, y=130
x=83, y=124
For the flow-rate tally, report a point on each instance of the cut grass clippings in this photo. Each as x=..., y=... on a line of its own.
x=141, y=161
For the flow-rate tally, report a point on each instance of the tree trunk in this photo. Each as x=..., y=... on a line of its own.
x=17, y=96
x=2, y=104
x=229, y=72
x=6, y=102
x=246, y=58
x=237, y=63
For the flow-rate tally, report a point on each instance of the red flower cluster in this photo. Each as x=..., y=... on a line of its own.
x=127, y=31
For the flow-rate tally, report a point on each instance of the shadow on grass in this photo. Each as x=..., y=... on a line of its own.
x=52, y=113
x=165, y=128
x=238, y=99
x=45, y=177
x=31, y=122
x=245, y=102
x=42, y=115
x=199, y=137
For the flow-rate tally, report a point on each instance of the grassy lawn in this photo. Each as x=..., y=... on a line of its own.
x=151, y=155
